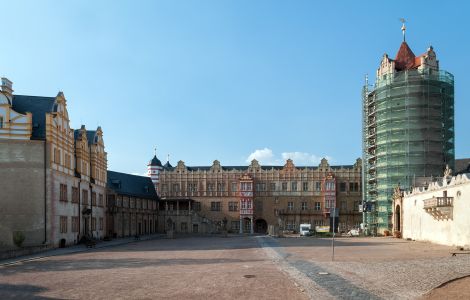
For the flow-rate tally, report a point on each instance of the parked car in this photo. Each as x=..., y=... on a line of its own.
x=354, y=232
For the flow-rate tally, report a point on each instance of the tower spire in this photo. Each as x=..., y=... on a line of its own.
x=155, y=151
x=168, y=157
x=403, y=27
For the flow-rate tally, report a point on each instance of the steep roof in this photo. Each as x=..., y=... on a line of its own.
x=90, y=136
x=462, y=165
x=405, y=58
x=167, y=166
x=38, y=106
x=155, y=162
x=131, y=185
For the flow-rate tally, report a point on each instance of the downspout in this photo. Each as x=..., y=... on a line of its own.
x=45, y=192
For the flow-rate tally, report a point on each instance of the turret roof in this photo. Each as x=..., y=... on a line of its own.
x=155, y=162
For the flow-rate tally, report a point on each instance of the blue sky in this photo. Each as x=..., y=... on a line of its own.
x=226, y=80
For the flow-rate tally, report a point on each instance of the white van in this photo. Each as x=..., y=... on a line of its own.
x=305, y=229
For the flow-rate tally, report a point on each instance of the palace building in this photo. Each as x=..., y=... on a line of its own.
x=250, y=198
x=53, y=177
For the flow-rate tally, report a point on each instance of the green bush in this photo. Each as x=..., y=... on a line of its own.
x=18, y=238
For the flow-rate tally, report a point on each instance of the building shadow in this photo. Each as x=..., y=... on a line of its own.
x=21, y=291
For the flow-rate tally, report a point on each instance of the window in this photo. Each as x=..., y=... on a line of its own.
x=342, y=187
x=234, y=186
x=305, y=186
x=93, y=223
x=63, y=192
x=284, y=186
x=85, y=197
x=317, y=186
x=290, y=205
x=74, y=224
x=246, y=186
x=56, y=156
x=101, y=223
x=197, y=206
x=318, y=222
x=353, y=187
x=260, y=186
x=75, y=195
x=176, y=187
x=192, y=187
x=221, y=187
x=317, y=206
x=272, y=186
x=164, y=188
x=235, y=225
x=63, y=224
x=290, y=225
x=100, y=200
x=1, y=122
x=304, y=205
x=93, y=198
x=215, y=206
x=210, y=187
x=184, y=227
x=343, y=205
x=233, y=206
x=294, y=186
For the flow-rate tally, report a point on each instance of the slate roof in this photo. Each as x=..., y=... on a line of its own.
x=38, y=106
x=131, y=185
x=155, y=162
x=167, y=166
x=462, y=165
x=245, y=168
x=90, y=135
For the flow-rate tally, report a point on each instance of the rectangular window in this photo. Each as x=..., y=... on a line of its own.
x=305, y=186
x=63, y=224
x=184, y=227
x=317, y=186
x=246, y=186
x=74, y=224
x=304, y=206
x=192, y=187
x=93, y=223
x=272, y=186
x=101, y=223
x=234, y=186
x=75, y=194
x=353, y=187
x=176, y=187
x=290, y=205
x=210, y=187
x=93, y=198
x=221, y=187
x=100, y=200
x=1, y=122
x=197, y=206
x=343, y=205
x=342, y=187
x=290, y=225
x=164, y=188
x=317, y=206
x=235, y=225
x=294, y=186
x=85, y=197
x=233, y=206
x=63, y=192
x=215, y=206
x=284, y=186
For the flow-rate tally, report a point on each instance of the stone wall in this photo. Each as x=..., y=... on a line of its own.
x=422, y=225
x=22, y=191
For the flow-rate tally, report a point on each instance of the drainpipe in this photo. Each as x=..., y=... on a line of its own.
x=45, y=192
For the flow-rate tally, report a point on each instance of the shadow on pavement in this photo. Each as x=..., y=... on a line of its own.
x=58, y=265
x=21, y=291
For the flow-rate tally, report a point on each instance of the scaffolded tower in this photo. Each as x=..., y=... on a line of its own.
x=408, y=130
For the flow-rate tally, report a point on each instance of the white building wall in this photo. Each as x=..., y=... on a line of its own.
x=422, y=226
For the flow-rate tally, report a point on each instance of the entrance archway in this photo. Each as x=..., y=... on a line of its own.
x=261, y=226
x=246, y=225
x=397, y=218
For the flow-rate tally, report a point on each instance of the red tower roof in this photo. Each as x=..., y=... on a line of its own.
x=406, y=59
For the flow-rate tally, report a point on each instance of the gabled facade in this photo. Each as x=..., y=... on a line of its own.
x=51, y=175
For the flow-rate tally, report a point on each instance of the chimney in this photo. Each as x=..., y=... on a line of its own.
x=7, y=87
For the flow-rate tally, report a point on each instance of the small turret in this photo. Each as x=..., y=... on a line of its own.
x=154, y=168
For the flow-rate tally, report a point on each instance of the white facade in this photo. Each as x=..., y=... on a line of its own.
x=440, y=213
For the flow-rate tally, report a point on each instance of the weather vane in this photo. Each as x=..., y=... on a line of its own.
x=403, y=27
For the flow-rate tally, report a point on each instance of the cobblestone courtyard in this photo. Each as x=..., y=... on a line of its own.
x=240, y=268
